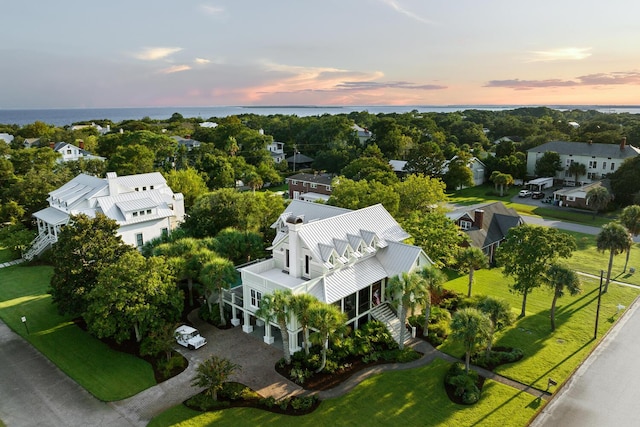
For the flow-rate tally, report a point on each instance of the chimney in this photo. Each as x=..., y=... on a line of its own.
x=81, y=144
x=52, y=144
x=478, y=215
x=294, y=224
x=623, y=144
x=112, y=180
x=590, y=141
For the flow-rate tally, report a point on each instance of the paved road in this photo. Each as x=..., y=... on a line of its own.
x=34, y=392
x=604, y=390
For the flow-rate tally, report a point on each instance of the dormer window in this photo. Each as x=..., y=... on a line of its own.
x=465, y=225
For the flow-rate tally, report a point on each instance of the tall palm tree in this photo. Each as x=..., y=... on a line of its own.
x=277, y=306
x=598, y=198
x=471, y=259
x=577, y=169
x=561, y=279
x=499, y=314
x=402, y=290
x=434, y=279
x=301, y=306
x=614, y=238
x=630, y=218
x=328, y=320
x=217, y=275
x=470, y=327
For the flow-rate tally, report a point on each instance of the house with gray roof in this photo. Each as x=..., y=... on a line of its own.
x=487, y=225
x=143, y=206
x=340, y=256
x=600, y=160
x=69, y=152
x=187, y=142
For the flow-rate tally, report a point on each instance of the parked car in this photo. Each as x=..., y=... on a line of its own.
x=537, y=195
x=189, y=337
x=524, y=193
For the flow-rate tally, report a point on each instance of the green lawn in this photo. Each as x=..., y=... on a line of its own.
x=6, y=255
x=485, y=194
x=107, y=374
x=547, y=354
x=413, y=397
x=588, y=260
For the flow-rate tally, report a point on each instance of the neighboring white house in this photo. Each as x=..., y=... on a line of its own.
x=70, y=152
x=340, y=256
x=477, y=169
x=208, y=125
x=6, y=137
x=101, y=130
x=188, y=143
x=600, y=160
x=143, y=206
x=363, y=134
x=276, y=149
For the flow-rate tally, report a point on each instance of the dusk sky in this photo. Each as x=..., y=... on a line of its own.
x=79, y=53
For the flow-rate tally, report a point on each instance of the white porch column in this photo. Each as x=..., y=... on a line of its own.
x=294, y=345
x=268, y=338
x=246, y=327
x=234, y=311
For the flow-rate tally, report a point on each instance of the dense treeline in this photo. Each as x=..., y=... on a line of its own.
x=236, y=151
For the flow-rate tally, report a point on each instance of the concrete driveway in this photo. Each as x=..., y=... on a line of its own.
x=34, y=392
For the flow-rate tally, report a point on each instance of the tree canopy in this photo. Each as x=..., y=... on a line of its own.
x=85, y=247
x=527, y=252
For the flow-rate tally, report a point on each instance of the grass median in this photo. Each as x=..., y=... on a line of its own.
x=109, y=375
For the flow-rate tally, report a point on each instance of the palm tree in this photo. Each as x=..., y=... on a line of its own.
x=301, y=306
x=471, y=259
x=212, y=373
x=502, y=180
x=499, y=314
x=470, y=327
x=277, y=306
x=216, y=275
x=402, y=291
x=561, y=279
x=598, y=198
x=614, y=238
x=577, y=169
x=630, y=218
x=434, y=279
x=327, y=320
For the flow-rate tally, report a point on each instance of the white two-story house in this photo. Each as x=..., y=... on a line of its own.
x=69, y=152
x=340, y=256
x=600, y=160
x=143, y=206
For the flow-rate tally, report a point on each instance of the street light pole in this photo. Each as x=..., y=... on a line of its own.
x=595, y=332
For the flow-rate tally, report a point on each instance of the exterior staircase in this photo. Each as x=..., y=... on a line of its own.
x=39, y=245
x=385, y=314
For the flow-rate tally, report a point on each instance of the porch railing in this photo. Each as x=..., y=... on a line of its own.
x=39, y=245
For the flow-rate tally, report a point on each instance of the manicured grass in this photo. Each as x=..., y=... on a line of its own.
x=547, y=354
x=413, y=397
x=107, y=374
x=588, y=260
x=6, y=255
x=485, y=194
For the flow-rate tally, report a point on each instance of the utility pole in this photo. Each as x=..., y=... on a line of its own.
x=294, y=157
x=595, y=332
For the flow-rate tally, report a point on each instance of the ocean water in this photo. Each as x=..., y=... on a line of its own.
x=63, y=117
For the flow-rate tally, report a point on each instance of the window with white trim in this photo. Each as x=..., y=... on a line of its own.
x=139, y=240
x=314, y=185
x=465, y=225
x=256, y=297
x=307, y=265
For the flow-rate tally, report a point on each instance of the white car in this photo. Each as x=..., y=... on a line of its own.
x=524, y=193
x=189, y=337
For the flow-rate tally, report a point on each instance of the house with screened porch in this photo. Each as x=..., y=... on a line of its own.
x=340, y=256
